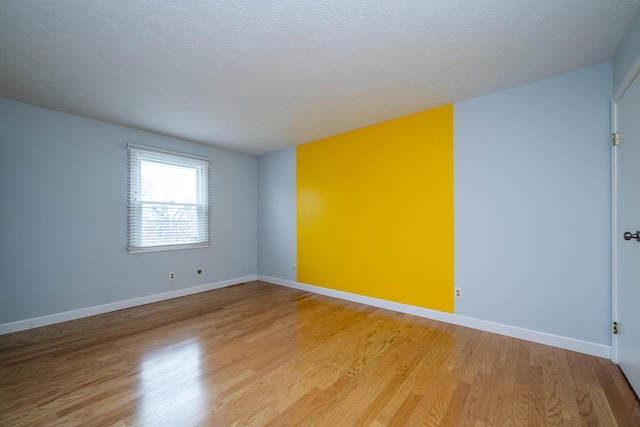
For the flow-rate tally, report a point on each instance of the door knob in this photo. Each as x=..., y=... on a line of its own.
x=628, y=235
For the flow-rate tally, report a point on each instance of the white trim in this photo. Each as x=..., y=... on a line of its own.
x=614, y=233
x=483, y=325
x=161, y=150
x=594, y=349
x=633, y=73
x=626, y=83
x=22, y=325
x=143, y=249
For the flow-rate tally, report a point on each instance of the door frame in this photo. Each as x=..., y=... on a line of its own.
x=622, y=89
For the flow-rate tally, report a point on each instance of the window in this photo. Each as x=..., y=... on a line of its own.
x=168, y=200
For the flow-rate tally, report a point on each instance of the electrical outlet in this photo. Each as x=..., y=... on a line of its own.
x=458, y=293
x=172, y=276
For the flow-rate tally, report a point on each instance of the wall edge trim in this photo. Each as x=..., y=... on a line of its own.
x=566, y=343
x=22, y=325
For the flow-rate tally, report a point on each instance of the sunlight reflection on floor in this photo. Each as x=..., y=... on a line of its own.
x=171, y=383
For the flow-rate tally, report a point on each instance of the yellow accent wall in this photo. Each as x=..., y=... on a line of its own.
x=375, y=211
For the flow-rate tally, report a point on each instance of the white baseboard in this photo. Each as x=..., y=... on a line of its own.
x=7, y=328
x=566, y=343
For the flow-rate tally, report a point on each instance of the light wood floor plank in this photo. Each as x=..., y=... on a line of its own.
x=259, y=354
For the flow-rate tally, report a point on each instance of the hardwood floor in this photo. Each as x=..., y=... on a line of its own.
x=260, y=354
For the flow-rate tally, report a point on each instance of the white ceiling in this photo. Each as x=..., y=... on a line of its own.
x=255, y=76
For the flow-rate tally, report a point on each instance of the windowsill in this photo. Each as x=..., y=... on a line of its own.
x=168, y=248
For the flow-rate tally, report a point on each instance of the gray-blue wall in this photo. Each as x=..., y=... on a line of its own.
x=628, y=53
x=532, y=205
x=532, y=171
x=277, y=219
x=63, y=217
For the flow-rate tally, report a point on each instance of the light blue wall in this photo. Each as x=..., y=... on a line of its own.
x=532, y=205
x=532, y=208
x=277, y=214
x=628, y=53
x=63, y=217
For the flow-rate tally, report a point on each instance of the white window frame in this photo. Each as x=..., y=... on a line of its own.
x=136, y=241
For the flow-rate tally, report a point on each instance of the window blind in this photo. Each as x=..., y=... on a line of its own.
x=169, y=203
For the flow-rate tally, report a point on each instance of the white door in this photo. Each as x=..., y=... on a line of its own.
x=626, y=249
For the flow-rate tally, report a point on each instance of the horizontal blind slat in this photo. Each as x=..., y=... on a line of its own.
x=167, y=223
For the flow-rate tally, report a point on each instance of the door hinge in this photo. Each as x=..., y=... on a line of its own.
x=615, y=139
x=615, y=328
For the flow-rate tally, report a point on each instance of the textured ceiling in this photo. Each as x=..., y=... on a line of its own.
x=254, y=76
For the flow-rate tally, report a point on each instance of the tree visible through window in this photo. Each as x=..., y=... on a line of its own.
x=168, y=200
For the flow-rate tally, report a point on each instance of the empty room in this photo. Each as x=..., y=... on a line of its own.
x=323, y=213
